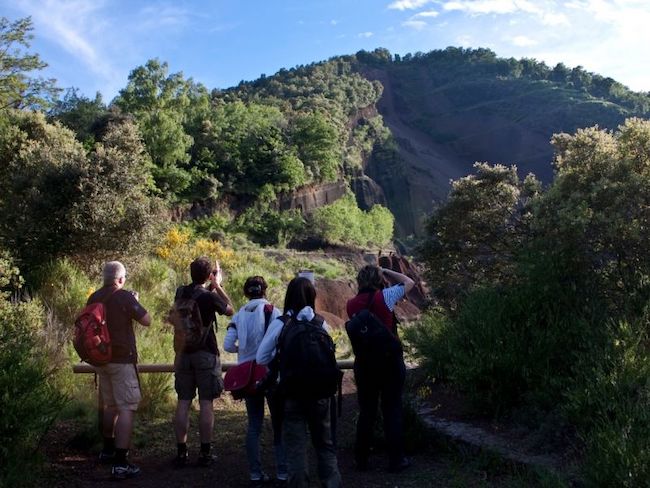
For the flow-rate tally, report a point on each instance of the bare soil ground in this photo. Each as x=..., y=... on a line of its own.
x=72, y=462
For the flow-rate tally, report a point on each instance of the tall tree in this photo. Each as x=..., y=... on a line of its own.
x=79, y=113
x=17, y=88
x=57, y=199
x=159, y=100
x=473, y=239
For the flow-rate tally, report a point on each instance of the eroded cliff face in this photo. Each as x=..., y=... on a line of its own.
x=308, y=198
x=440, y=129
x=367, y=192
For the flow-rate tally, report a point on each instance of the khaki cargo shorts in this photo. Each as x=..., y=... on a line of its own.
x=198, y=370
x=120, y=386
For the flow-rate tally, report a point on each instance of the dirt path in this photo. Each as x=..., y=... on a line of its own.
x=70, y=464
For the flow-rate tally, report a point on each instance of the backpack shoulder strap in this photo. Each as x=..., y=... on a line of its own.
x=268, y=311
x=108, y=296
x=186, y=291
x=197, y=292
x=371, y=298
x=285, y=319
x=318, y=320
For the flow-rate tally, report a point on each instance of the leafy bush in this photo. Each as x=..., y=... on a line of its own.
x=343, y=222
x=30, y=396
x=270, y=227
x=610, y=405
x=473, y=239
x=64, y=289
x=430, y=343
x=567, y=331
x=54, y=195
x=209, y=227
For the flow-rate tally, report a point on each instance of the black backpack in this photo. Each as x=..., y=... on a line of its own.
x=190, y=333
x=307, y=360
x=372, y=342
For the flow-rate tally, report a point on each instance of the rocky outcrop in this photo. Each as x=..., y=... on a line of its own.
x=309, y=198
x=331, y=298
x=367, y=192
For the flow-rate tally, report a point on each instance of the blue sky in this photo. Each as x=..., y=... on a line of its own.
x=94, y=44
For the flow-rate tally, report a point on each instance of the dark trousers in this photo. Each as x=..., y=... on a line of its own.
x=375, y=384
x=313, y=417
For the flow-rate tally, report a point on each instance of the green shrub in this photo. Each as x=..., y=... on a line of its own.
x=518, y=345
x=212, y=226
x=64, y=289
x=270, y=227
x=55, y=194
x=610, y=405
x=429, y=343
x=156, y=284
x=28, y=390
x=343, y=222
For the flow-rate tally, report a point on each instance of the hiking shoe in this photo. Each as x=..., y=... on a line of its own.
x=123, y=471
x=106, y=457
x=401, y=466
x=180, y=461
x=206, y=459
x=260, y=481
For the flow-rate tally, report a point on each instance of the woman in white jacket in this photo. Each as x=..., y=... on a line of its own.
x=244, y=335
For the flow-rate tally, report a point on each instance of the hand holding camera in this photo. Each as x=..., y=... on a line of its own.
x=216, y=277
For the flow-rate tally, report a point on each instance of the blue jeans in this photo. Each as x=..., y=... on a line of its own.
x=255, y=413
x=312, y=415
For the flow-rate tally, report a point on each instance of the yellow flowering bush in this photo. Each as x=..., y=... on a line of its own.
x=178, y=250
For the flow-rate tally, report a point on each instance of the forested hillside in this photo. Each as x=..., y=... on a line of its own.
x=393, y=129
x=447, y=109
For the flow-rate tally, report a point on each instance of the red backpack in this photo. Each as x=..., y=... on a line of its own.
x=91, y=338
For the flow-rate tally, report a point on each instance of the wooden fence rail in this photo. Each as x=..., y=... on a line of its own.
x=160, y=368
x=169, y=368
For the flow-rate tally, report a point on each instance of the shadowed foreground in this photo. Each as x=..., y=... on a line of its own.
x=71, y=464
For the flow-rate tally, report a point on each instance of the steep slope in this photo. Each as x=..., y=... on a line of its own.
x=395, y=130
x=448, y=109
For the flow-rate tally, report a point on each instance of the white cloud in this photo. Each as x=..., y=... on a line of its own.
x=414, y=24
x=76, y=27
x=523, y=41
x=418, y=21
x=334, y=22
x=426, y=14
x=407, y=4
x=164, y=17
x=365, y=35
x=554, y=19
x=482, y=7
x=545, y=11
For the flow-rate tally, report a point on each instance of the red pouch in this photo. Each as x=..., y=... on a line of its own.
x=242, y=380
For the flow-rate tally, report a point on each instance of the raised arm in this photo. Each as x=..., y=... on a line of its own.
x=396, y=278
x=215, y=287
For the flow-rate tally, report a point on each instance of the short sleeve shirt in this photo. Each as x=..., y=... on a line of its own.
x=210, y=304
x=121, y=310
